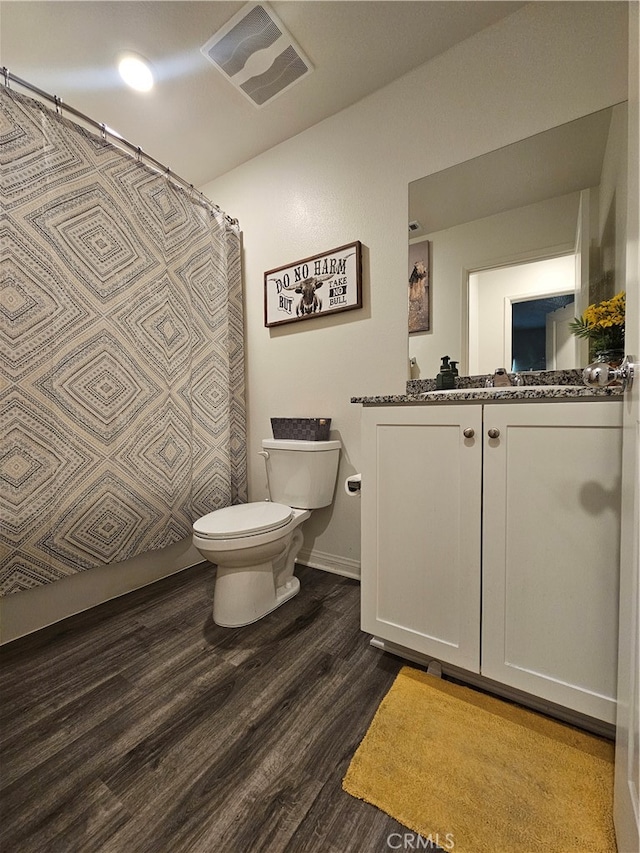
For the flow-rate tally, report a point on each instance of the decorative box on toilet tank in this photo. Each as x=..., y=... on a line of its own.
x=301, y=429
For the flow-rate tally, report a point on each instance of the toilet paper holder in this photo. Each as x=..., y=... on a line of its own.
x=353, y=485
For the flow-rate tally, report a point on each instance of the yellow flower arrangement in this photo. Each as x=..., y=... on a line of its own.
x=603, y=323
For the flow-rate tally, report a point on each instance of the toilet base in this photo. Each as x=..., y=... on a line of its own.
x=242, y=597
x=222, y=618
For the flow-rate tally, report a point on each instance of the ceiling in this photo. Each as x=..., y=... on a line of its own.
x=194, y=121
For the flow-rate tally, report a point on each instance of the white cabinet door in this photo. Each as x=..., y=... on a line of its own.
x=551, y=528
x=421, y=492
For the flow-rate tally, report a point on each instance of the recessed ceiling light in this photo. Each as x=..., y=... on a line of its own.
x=135, y=72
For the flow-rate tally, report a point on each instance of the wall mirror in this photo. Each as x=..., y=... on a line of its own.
x=515, y=243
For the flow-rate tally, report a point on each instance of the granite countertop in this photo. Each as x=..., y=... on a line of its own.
x=543, y=385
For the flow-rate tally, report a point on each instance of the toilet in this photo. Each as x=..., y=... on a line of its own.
x=255, y=545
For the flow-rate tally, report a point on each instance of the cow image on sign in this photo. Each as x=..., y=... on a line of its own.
x=309, y=301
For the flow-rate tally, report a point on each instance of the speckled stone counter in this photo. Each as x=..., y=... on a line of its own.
x=543, y=385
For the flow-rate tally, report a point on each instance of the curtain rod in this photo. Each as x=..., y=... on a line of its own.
x=106, y=131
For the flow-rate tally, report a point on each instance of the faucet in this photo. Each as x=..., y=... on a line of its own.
x=501, y=379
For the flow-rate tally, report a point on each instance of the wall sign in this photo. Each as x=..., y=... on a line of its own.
x=322, y=284
x=420, y=286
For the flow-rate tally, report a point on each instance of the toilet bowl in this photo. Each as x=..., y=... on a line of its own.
x=255, y=545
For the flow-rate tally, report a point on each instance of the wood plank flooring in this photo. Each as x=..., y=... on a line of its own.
x=141, y=726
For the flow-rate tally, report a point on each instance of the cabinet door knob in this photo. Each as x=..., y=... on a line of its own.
x=469, y=432
x=493, y=433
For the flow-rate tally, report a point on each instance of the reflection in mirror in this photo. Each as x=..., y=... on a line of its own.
x=540, y=336
x=519, y=242
x=514, y=320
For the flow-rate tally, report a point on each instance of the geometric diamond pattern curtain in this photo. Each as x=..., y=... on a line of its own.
x=122, y=413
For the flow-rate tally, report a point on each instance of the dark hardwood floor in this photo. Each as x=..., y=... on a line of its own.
x=143, y=726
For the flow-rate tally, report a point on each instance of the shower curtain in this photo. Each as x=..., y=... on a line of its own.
x=122, y=413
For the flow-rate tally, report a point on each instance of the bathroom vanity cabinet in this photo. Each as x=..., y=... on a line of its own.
x=490, y=541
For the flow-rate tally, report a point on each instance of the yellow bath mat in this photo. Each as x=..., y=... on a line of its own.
x=478, y=775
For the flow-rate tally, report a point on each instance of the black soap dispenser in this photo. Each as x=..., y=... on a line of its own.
x=446, y=378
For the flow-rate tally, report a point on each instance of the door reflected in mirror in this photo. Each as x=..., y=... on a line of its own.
x=540, y=334
x=558, y=200
x=519, y=316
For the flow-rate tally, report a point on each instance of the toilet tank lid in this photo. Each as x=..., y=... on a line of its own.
x=296, y=444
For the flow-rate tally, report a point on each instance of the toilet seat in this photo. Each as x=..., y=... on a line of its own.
x=236, y=522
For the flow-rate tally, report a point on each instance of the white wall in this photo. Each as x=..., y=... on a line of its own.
x=346, y=179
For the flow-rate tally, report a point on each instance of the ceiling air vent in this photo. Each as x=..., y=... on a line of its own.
x=256, y=53
x=414, y=225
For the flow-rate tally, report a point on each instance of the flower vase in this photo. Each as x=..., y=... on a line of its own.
x=614, y=357
x=611, y=357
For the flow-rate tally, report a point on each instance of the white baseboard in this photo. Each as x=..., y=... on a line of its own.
x=330, y=563
x=32, y=609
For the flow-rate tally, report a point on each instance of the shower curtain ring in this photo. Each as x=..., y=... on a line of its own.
x=56, y=101
x=5, y=72
x=139, y=154
x=103, y=132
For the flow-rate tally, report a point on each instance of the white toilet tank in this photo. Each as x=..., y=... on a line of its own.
x=301, y=474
